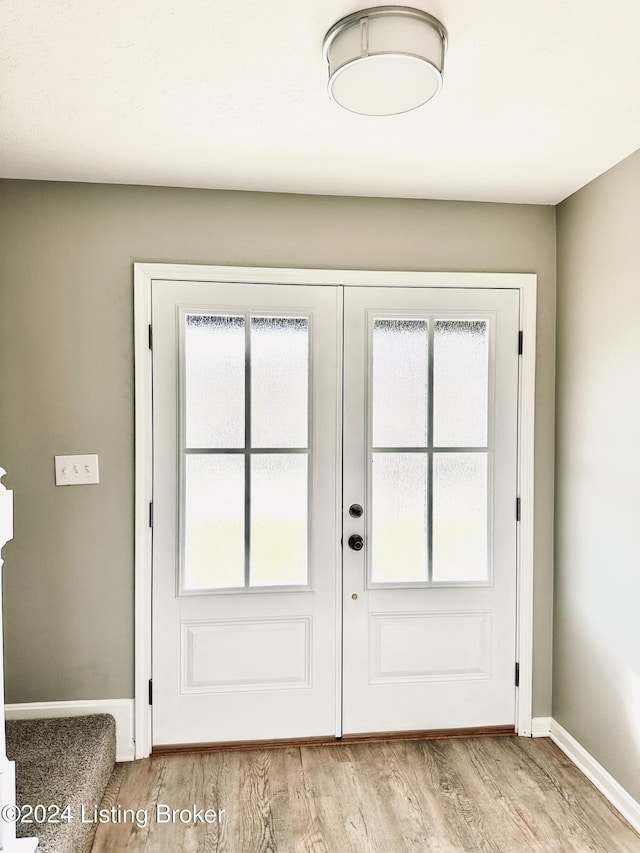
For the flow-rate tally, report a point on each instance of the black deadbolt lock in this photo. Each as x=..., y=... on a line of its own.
x=355, y=542
x=355, y=510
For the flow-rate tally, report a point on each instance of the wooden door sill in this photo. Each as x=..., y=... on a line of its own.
x=330, y=740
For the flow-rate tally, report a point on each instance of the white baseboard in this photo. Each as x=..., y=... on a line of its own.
x=541, y=727
x=120, y=709
x=619, y=798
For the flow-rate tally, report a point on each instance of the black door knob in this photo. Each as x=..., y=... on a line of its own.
x=355, y=511
x=355, y=542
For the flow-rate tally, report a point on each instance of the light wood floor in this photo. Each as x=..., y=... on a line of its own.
x=499, y=794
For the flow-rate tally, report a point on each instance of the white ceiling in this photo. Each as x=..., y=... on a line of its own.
x=538, y=98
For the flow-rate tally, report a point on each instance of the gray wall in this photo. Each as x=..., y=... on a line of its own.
x=66, y=381
x=596, y=684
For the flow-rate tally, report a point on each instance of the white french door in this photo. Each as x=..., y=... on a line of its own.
x=245, y=511
x=430, y=449
x=284, y=608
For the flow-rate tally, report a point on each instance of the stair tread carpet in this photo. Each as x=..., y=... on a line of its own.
x=61, y=762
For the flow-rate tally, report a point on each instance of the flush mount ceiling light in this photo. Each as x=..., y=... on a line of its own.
x=385, y=60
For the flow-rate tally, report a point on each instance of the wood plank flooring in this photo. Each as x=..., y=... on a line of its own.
x=469, y=795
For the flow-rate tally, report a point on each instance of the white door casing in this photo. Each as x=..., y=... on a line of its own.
x=146, y=273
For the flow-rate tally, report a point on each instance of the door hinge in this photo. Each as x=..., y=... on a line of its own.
x=150, y=692
x=517, y=509
x=151, y=514
x=520, y=341
x=517, y=675
x=150, y=336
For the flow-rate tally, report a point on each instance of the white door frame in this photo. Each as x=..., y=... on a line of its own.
x=145, y=273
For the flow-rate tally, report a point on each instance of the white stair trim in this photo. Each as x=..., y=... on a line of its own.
x=619, y=798
x=120, y=709
x=8, y=841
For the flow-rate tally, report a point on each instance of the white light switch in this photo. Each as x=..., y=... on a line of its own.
x=77, y=470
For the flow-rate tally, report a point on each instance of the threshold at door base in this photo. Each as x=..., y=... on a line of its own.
x=331, y=740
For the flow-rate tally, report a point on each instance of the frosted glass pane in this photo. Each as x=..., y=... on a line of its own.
x=214, y=377
x=279, y=381
x=399, y=518
x=279, y=512
x=460, y=517
x=214, y=521
x=399, y=383
x=460, y=383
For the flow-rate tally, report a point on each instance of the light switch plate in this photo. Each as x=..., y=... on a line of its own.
x=77, y=470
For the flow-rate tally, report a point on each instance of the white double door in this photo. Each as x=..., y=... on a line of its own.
x=334, y=540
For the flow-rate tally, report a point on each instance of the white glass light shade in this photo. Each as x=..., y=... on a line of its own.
x=385, y=60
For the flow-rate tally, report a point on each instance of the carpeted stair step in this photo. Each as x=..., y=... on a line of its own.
x=62, y=763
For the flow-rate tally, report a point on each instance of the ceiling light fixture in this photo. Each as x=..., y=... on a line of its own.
x=385, y=60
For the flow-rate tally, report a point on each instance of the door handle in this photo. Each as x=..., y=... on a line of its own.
x=355, y=542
